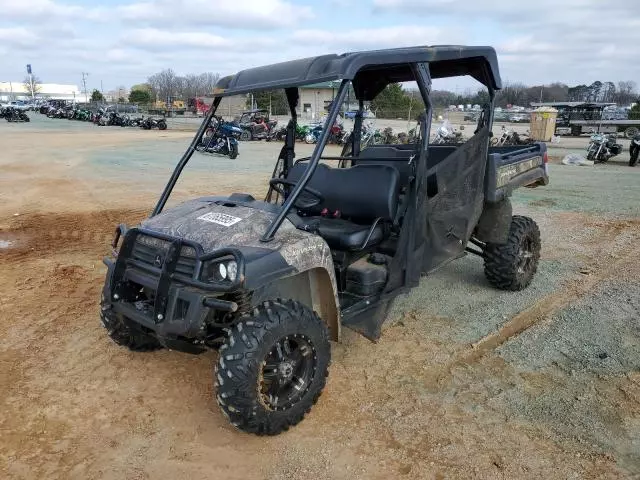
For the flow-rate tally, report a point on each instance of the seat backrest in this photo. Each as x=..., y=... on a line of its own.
x=396, y=156
x=363, y=192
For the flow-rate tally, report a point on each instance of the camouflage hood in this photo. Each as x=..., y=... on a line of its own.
x=212, y=225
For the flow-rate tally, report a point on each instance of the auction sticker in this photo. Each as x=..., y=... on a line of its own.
x=219, y=218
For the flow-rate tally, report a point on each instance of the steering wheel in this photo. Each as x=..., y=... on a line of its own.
x=278, y=185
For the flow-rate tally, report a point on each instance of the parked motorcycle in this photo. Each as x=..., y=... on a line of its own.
x=149, y=123
x=447, y=134
x=510, y=137
x=136, y=122
x=221, y=138
x=11, y=114
x=260, y=128
x=634, y=150
x=315, y=130
x=388, y=138
x=602, y=147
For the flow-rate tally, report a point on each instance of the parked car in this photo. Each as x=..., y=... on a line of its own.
x=518, y=118
x=365, y=114
x=500, y=116
x=19, y=105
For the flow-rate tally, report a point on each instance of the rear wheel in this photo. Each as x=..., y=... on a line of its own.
x=512, y=265
x=121, y=333
x=634, y=150
x=272, y=367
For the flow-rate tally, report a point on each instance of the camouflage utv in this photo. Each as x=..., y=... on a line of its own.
x=269, y=283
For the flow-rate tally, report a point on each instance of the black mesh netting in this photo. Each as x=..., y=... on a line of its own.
x=449, y=202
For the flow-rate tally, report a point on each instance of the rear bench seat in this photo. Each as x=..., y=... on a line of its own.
x=397, y=156
x=366, y=197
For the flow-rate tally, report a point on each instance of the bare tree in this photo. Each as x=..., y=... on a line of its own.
x=199, y=85
x=209, y=81
x=165, y=84
x=32, y=84
x=626, y=93
x=511, y=94
x=608, y=92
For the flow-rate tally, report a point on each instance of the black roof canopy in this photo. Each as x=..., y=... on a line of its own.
x=390, y=65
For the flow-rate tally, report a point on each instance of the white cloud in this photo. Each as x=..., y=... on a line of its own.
x=575, y=41
x=155, y=39
x=18, y=37
x=34, y=9
x=245, y=14
x=369, y=38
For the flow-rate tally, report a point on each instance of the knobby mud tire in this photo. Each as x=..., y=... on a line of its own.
x=125, y=336
x=239, y=370
x=503, y=263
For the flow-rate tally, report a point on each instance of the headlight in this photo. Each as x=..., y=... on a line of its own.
x=232, y=270
x=219, y=271
x=222, y=271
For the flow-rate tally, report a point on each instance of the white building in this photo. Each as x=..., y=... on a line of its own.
x=17, y=91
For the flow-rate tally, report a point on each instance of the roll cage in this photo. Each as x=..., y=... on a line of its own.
x=369, y=73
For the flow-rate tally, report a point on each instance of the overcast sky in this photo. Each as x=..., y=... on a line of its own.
x=125, y=41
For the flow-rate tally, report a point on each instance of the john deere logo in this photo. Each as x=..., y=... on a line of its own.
x=157, y=261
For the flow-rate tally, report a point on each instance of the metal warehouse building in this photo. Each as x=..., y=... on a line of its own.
x=17, y=91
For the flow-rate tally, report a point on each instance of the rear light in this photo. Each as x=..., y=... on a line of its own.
x=545, y=163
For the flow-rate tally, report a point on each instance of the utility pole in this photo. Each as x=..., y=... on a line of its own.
x=30, y=81
x=84, y=83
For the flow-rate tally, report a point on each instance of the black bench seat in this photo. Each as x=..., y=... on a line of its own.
x=363, y=198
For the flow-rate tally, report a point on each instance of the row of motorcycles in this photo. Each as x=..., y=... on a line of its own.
x=102, y=117
x=338, y=135
x=603, y=147
x=11, y=114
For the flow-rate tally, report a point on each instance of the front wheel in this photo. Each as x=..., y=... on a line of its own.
x=233, y=154
x=272, y=367
x=512, y=265
x=634, y=150
x=124, y=335
x=245, y=136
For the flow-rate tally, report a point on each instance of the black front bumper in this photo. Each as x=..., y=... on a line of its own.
x=181, y=303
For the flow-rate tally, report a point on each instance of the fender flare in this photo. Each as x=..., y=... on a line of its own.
x=314, y=288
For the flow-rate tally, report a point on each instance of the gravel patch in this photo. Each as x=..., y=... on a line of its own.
x=460, y=292
x=578, y=373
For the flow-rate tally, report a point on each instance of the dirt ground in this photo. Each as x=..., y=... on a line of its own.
x=466, y=381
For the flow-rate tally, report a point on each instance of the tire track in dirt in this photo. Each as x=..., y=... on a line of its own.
x=600, y=269
x=42, y=234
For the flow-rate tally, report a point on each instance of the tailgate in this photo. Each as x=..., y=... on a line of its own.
x=517, y=167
